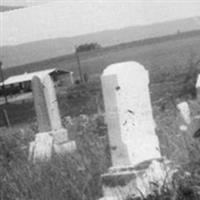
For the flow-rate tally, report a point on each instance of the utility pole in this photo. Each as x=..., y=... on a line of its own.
x=3, y=86
x=79, y=64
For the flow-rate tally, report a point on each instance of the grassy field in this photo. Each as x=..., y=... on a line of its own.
x=155, y=57
x=77, y=176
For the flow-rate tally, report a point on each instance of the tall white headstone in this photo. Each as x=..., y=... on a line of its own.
x=52, y=136
x=131, y=127
x=40, y=105
x=52, y=104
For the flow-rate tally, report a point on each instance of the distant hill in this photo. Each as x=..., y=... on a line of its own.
x=8, y=8
x=52, y=48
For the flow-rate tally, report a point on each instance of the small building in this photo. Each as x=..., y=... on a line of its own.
x=22, y=83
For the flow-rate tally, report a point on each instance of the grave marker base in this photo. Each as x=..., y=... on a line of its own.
x=45, y=143
x=67, y=147
x=136, y=182
x=41, y=148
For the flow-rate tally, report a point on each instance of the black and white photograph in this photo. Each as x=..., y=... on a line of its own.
x=99, y=100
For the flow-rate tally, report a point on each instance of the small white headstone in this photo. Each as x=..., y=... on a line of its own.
x=184, y=109
x=188, y=118
x=131, y=127
x=198, y=82
x=67, y=147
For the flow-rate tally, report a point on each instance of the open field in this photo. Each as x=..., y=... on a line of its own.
x=158, y=58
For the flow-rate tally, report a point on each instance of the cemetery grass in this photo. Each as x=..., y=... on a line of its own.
x=77, y=176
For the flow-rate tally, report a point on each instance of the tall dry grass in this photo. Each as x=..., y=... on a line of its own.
x=73, y=176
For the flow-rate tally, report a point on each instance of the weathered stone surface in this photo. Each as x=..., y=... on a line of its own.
x=189, y=117
x=135, y=152
x=41, y=148
x=45, y=143
x=31, y=150
x=128, y=114
x=55, y=136
x=185, y=111
x=108, y=198
x=198, y=88
x=66, y=147
x=60, y=136
x=40, y=105
x=72, y=78
x=137, y=181
x=62, y=144
x=51, y=102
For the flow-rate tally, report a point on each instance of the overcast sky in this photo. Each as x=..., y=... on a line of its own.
x=45, y=19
